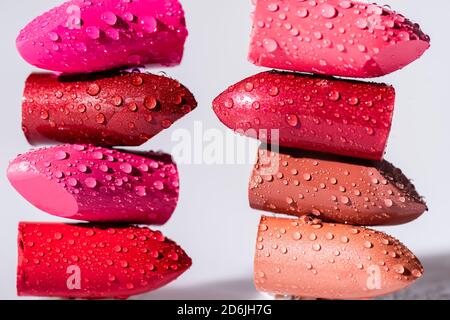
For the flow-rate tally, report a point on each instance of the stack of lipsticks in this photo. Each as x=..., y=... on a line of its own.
x=326, y=141
x=93, y=110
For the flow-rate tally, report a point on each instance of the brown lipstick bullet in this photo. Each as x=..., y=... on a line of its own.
x=338, y=189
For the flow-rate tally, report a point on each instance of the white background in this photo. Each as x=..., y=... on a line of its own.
x=213, y=221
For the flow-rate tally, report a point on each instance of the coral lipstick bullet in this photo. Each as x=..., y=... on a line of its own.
x=312, y=259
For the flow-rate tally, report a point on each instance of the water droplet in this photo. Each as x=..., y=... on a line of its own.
x=44, y=115
x=113, y=34
x=93, y=32
x=416, y=273
x=109, y=18
x=61, y=155
x=229, y=103
x=53, y=36
x=302, y=12
x=90, y=183
x=273, y=7
x=274, y=91
x=370, y=131
x=362, y=23
x=128, y=16
x=249, y=86
x=82, y=168
x=158, y=185
x=166, y=123
x=328, y=11
x=296, y=235
x=318, y=35
x=100, y=118
x=137, y=81
x=398, y=268
x=117, y=101
x=72, y=182
x=345, y=200
x=93, y=89
x=353, y=101
x=346, y=4
x=270, y=45
x=81, y=108
x=368, y=244
x=126, y=168
x=149, y=24
x=97, y=155
x=133, y=107
x=334, y=95
x=388, y=203
x=150, y=103
x=130, y=286
x=141, y=191
x=173, y=256
x=256, y=105
x=158, y=236
x=292, y=120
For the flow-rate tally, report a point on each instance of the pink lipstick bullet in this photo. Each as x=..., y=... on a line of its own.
x=334, y=37
x=88, y=36
x=88, y=183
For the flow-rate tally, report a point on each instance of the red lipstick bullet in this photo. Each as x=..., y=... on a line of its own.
x=111, y=109
x=91, y=262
